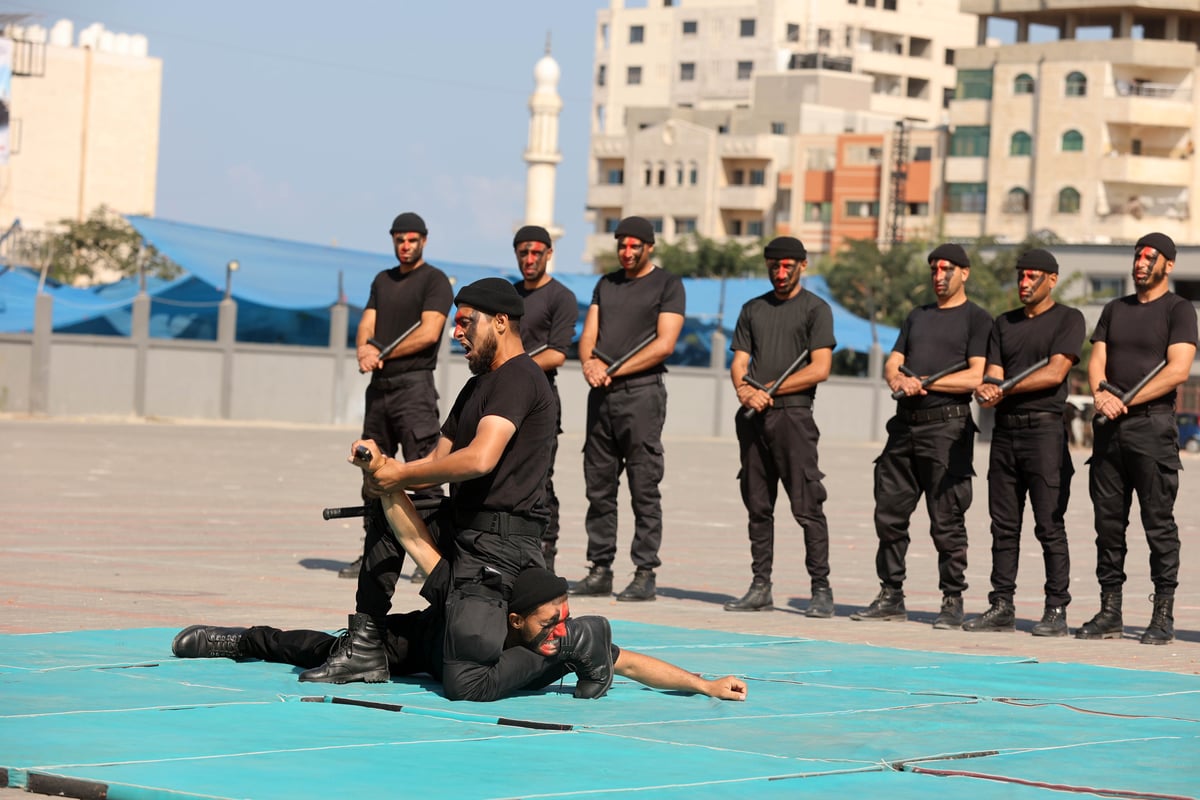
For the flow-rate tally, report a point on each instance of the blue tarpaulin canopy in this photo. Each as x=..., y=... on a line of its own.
x=284, y=290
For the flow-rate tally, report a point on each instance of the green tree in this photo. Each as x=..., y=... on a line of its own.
x=81, y=251
x=696, y=256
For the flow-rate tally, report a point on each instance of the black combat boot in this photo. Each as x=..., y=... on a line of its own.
x=757, y=598
x=1107, y=624
x=587, y=650
x=358, y=655
x=1161, y=629
x=598, y=581
x=641, y=588
x=888, y=605
x=950, y=618
x=206, y=641
x=1001, y=616
x=352, y=569
x=1052, y=623
x=821, y=604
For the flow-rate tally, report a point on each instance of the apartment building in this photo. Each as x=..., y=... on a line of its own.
x=723, y=118
x=84, y=124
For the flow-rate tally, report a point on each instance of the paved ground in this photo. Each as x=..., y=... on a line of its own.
x=141, y=524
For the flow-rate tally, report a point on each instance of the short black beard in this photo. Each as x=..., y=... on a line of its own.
x=480, y=359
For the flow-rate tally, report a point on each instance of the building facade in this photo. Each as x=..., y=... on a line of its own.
x=84, y=125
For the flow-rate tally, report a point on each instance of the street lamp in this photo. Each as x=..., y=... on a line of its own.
x=230, y=268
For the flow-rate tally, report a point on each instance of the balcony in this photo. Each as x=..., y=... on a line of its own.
x=608, y=146
x=606, y=195
x=1145, y=170
x=750, y=198
x=1171, y=108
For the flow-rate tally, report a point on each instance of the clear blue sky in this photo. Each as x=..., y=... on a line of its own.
x=320, y=121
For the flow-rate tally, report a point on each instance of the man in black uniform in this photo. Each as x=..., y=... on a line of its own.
x=413, y=641
x=546, y=330
x=778, y=441
x=494, y=451
x=401, y=404
x=627, y=406
x=931, y=439
x=1135, y=444
x=1029, y=453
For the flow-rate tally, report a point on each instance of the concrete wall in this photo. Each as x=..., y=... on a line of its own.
x=139, y=376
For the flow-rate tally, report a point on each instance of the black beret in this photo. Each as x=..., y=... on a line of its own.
x=408, y=222
x=1160, y=242
x=532, y=233
x=492, y=296
x=785, y=247
x=951, y=252
x=533, y=587
x=1038, y=259
x=637, y=227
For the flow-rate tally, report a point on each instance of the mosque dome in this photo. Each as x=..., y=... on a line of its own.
x=546, y=72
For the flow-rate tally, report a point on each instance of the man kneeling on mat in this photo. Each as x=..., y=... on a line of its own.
x=537, y=615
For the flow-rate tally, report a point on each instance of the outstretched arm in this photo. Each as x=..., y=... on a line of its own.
x=658, y=674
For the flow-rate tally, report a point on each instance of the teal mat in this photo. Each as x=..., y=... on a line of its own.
x=113, y=709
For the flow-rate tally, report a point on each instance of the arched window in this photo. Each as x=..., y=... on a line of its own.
x=649, y=174
x=1016, y=201
x=679, y=173
x=1076, y=85
x=1068, y=201
x=693, y=173
x=1072, y=142
x=1023, y=84
x=1021, y=144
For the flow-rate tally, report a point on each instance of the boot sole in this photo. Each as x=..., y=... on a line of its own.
x=889, y=618
x=989, y=630
x=622, y=599
x=745, y=609
x=818, y=614
x=1157, y=641
x=1106, y=635
x=371, y=677
x=1052, y=634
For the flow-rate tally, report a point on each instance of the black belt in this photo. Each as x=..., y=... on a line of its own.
x=1147, y=409
x=1027, y=419
x=500, y=522
x=792, y=401
x=396, y=381
x=939, y=414
x=634, y=381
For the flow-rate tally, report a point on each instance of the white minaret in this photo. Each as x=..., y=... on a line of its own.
x=542, y=154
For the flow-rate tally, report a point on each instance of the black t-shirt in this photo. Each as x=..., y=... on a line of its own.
x=1136, y=337
x=550, y=315
x=932, y=339
x=774, y=332
x=629, y=309
x=518, y=391
x=399, y=299
x=1019, y=342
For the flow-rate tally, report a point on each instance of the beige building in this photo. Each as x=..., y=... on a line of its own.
x=84, y=125
x=701, y=107
x=1085, y=126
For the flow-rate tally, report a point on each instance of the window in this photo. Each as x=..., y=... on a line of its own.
x=793, y=32
x=758, y=177
x=824, y=37
x=693, y=175
x=949, y=60
x=637, y=34
x=818, y=212
x=1103, y=288
x=615, y=177
x=1023, y=84
x=611, y=223
x=862, y=209
x=970, y=140
x=1072, y=142
x=735, y=227
x=685, y=225
x=690, y=27
x=1021, y=144
x=687, y=71
x=858, y=154
x=633, y=76
x=744, y=69
x=918, y=209
x=601, y=73
x=778, y=128
x=754, y=227
x=966, y=198
x=746, y=28
x=1016, y=201
x=889, y=5
x=657, y=223
x=1068, y=201
x=974, y=84
x=1076, y=85
x=678, y=174
x=737, y=177
x=923, y=153
x=662, y=175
